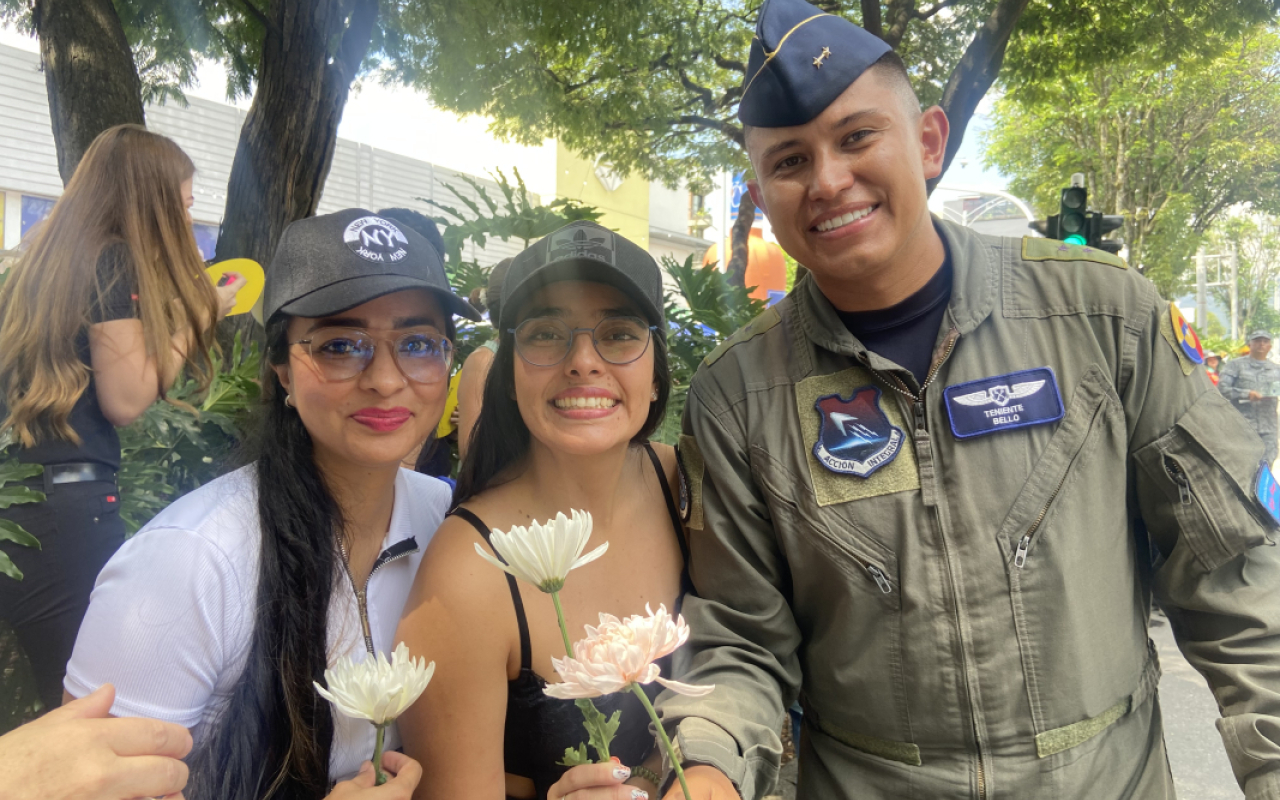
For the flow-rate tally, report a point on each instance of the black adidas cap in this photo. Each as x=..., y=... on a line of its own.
x=327, y=264
x=801, y=60
x=584, y=251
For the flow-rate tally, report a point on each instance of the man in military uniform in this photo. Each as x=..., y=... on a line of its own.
x=1250, y=384
x=934, y=490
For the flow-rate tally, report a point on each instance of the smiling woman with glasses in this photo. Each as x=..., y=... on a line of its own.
x=578, y=384
x=239, y=595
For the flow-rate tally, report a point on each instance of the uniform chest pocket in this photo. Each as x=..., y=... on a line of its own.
x=801, y=524
x=846, y=597
x=1072, y=564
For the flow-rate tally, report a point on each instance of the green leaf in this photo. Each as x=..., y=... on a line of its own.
x=7, y=567
x=16, y=495
x=599, y=730
x=575, y=756
x=13, y=470
x=13, y=532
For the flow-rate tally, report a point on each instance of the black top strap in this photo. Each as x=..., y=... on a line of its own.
x=526, y=648
x=686, y=582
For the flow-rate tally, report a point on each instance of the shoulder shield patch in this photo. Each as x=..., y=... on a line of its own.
x=1037, y=249
x=692, y=470
x=1170, y=335
x=751, y=330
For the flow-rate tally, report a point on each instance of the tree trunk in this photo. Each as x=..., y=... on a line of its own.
x=975, y=73
x=735, y=270
x=89, y=72
x=287, y=142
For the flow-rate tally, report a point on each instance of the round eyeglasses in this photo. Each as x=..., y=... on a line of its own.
x=340, y=354
x=546, y=341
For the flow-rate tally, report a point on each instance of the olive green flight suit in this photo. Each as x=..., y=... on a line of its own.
x=970, y=619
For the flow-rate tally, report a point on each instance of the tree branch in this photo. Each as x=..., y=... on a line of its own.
x=729, y=131
x=975, y=73
x=929, y=12
x=871, y=17
x=729, y=64
x=260, y=16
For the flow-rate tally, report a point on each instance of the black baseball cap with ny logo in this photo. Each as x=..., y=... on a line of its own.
x=330, y=263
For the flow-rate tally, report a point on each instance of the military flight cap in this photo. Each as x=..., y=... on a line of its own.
x=588, y=252
x=801, y=60
x=1259, y=334
x=327, y=264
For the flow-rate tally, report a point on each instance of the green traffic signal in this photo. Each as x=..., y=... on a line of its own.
x=1075, y=238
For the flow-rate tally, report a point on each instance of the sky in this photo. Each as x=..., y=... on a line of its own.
x=403, y=121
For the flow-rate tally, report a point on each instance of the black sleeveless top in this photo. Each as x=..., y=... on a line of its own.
x=539, y=728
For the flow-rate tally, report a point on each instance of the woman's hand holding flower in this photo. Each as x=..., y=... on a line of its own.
x=404, y=772
x=605, y=781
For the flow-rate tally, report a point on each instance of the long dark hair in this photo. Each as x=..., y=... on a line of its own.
x=500, y=437
x=273, y=738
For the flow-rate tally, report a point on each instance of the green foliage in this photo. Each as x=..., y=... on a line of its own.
x=1255, y=239
x=12, y=492
x=1169, y=146
x=575, y=756
x=170, y=451
x=703, y=310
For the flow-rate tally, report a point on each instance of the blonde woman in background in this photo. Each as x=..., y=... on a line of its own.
x=107, y=303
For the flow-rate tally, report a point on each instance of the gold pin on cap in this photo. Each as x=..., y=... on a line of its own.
x=826, y=53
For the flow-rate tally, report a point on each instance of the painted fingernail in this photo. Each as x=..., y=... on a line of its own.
x=622, y=773
x=615, y=759
x=639, y=794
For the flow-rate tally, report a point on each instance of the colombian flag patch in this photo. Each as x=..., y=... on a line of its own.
x=1186, y=335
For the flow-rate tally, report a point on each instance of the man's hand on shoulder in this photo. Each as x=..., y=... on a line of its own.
x=705, y=783
x=76, y=753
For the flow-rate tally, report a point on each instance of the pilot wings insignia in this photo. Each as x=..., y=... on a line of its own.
x=999, y=395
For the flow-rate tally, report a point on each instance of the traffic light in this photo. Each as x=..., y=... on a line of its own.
x=1100, y=225
x=1073, y=212
x=1076, y=224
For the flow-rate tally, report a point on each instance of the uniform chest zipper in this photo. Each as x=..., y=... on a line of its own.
x=1024, y=544
x=922, y=429
x=362, y=593
x=879, y=577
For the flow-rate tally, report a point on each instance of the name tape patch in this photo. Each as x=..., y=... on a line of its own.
x=1003, y=402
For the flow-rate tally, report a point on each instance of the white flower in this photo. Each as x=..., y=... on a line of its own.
x=543, y=553
x=375, y=689
x=619, y=653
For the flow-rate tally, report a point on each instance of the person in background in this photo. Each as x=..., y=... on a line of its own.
x=107, y=303
x=222, y=612
x=476, y=369
x=1252, y=384
x=579, y=382
x=1212, y=362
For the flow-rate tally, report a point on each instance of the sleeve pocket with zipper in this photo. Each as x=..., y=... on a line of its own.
x=1195, y=484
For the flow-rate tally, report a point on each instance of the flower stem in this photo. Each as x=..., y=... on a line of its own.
x=662, y=733
x=377, y=756
x=592, y=717
x=564, y=626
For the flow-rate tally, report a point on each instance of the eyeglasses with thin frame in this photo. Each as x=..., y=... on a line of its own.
x=546, y=341
x=340, y=354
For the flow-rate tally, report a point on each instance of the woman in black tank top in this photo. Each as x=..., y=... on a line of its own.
x=579, y=382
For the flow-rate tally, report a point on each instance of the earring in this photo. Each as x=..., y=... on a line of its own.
x=654, y=397
x=288, y=401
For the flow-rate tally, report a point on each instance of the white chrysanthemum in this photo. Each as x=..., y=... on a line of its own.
x=375, y=689
x=543, y=553
x=619, y=653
